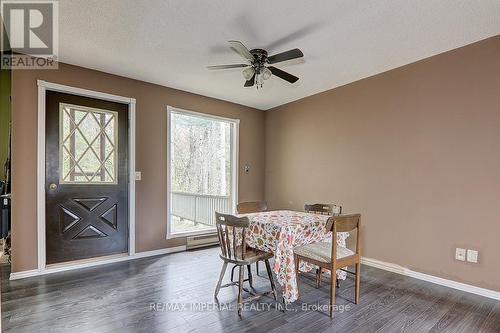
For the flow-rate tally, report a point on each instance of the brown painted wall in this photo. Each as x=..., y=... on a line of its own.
x=152, y=101
x=415, y=150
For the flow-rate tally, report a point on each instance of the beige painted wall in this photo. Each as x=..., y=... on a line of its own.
x=415, y=150
x=152, y=101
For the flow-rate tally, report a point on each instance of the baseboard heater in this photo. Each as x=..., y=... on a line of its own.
x=195, y=242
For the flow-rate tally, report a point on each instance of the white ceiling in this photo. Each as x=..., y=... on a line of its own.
x=171, y=42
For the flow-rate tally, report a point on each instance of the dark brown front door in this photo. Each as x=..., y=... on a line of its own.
x=86, y=177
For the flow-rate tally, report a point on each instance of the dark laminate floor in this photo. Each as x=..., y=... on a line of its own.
x=118, y=297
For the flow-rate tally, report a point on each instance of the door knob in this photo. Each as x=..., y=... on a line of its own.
x=53, y=186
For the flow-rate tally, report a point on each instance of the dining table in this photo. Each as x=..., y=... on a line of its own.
x=278, y=232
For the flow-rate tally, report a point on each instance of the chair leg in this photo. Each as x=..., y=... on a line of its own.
x=358, y=281
x=270, y=274
x=332, y=290
x=319, y=271
x=250, y=280
x=257, y=268
x=240, y=290
x=221, y=277
x=338, y=283
x=232, y=272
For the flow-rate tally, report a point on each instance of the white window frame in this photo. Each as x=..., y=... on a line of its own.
x=234, y=162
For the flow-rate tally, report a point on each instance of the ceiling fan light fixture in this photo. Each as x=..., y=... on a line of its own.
x=259, y=80
x=266, y=73
x=248, y=73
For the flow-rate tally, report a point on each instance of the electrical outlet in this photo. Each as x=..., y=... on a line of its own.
x=460, y=254
x=472, y=256
x=247, y=168
x=138, y=175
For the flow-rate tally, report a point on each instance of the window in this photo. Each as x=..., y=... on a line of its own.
x=87, y=145
x=202, y=170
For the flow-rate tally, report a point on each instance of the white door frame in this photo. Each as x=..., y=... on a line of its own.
x=234, y=160
x=43, y=86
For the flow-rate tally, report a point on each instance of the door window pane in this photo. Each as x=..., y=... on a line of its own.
x=87, y=145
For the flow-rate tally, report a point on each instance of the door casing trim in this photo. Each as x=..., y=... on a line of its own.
x=43, y=87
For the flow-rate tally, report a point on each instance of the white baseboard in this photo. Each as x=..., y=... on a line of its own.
x=431, y=278
x=456, y=285
x=23, y=274
x=93, y=263
x=159, y=252
x=386, y=266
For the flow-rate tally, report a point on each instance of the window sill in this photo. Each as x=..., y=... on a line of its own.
x=191, y=233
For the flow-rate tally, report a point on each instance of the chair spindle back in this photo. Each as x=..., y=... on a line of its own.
x=228, y=229
x=251, y=207
x=323, y=209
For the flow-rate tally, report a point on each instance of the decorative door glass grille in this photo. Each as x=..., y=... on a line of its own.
x=87, y=145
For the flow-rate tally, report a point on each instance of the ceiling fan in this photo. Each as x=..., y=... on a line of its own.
x=258, y=70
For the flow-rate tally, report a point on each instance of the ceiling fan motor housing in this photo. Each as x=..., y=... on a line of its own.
x=260, y=56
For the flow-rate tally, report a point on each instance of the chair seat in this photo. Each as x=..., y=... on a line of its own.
x=322, y=251
x=251, y=256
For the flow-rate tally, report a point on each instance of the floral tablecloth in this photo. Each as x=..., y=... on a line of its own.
x=279, y=232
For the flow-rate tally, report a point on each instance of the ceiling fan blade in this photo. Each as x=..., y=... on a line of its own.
x=283, y=75
x=295, y=35
x=241, y=50
x=228, y=66
x=250, y=82
x=283, y=56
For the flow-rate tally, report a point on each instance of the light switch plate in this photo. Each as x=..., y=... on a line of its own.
x=472, y=256
x=460, y=254
x=138, y=175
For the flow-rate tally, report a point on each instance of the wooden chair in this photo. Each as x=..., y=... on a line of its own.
x=247, y=208
x=228, y=226
x=251, y=207
x=324, y=255
x=323, y=209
